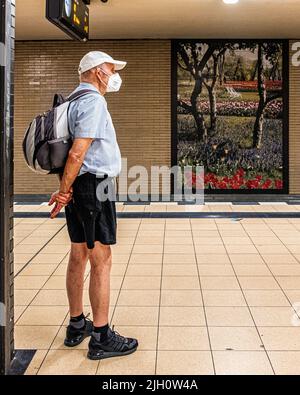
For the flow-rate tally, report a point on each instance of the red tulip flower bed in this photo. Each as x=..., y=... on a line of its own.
x=239, y=180
x=252, y=85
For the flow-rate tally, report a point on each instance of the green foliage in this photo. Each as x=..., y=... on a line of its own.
x=230, y=147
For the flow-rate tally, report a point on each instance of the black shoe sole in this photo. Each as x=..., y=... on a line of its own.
x=108, y=354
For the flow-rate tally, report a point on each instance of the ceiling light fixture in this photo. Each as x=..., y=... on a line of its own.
x=231, y=1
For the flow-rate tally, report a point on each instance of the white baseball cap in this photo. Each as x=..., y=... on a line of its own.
x=95, y=58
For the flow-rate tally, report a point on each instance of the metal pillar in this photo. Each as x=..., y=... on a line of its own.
x=7, y=32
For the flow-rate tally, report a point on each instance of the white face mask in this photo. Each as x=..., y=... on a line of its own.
x=114, y=82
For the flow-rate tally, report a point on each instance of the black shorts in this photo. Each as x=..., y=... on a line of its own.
x=89, y=218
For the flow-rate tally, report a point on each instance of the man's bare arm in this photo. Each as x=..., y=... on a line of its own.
x=74, y=163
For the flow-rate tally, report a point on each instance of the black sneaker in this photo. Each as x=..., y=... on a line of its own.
x=113, y=345
x=76, y=336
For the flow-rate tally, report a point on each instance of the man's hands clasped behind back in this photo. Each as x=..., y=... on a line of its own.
x=61, y=200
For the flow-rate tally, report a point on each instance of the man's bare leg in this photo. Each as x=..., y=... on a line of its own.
x=75, y=277
x=99, y=290
x=104, y=341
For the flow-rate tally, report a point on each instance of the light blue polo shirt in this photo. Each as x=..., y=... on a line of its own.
x=89, y=117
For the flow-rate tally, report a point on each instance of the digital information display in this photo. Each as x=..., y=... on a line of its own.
x=72, y=16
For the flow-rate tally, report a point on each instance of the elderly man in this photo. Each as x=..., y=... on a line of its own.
x=93, y=159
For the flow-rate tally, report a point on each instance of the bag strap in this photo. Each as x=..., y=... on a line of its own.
x=57, y=100
x=79, y=94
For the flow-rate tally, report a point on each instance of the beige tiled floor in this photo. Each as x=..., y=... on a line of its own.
x=203, y=296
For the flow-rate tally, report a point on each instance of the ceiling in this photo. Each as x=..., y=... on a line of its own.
x=170, y=19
